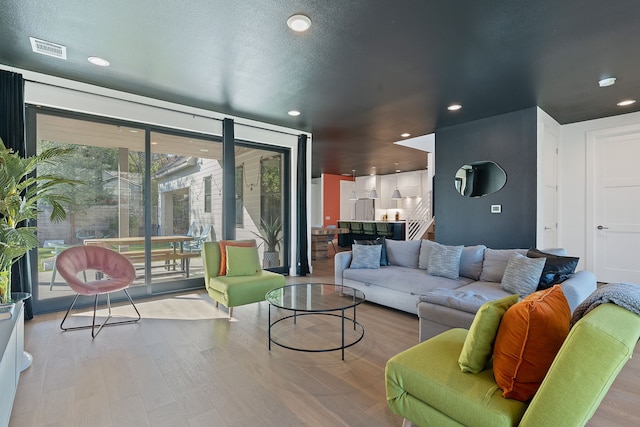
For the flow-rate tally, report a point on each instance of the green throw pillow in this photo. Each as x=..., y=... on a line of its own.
x=242, y=261
x=478, y=346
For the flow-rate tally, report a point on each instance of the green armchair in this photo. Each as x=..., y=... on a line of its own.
x=235, y=290
x=426, y=386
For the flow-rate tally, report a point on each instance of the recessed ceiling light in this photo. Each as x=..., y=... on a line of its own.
x=345, y=174
x=299, y=23
x=204, y=150
x=294, y=113
x=405, y=135
x=609, y=81
x=626, y=102
x=454, y=107
x=96, y=60
x=154, y=143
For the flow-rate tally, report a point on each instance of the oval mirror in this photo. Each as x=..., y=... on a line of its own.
x=479, y=179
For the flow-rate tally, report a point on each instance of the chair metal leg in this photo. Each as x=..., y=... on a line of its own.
x=230, y=312
x=94, y=333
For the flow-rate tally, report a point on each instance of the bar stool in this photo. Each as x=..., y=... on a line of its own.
x=355, y=231
x=369, y=230
x=383, y=229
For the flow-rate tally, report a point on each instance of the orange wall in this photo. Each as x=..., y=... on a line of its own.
x=331, y=198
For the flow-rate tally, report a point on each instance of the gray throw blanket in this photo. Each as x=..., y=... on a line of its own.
x=626, y=295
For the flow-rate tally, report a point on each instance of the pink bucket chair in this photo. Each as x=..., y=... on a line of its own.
x=118, y=270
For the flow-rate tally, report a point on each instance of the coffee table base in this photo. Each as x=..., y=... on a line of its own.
x=323, y=350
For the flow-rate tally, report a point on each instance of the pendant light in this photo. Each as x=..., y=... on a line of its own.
x=353, y=195
x=374, y=193
x=396, y=193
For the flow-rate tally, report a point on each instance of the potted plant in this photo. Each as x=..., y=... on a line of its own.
x=20, y=192
x=271, y=235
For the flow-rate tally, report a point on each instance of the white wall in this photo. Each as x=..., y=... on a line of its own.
x=572, y=195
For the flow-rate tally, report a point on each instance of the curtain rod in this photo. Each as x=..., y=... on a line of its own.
x=174, y=110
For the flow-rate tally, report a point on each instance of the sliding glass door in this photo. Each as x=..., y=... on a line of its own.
x=262, y=189
x=155, y=195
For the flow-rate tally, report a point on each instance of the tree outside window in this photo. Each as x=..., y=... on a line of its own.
x=271, y=189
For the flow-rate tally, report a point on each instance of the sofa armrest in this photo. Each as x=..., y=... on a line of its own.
x=341, y=262
x=578, y=287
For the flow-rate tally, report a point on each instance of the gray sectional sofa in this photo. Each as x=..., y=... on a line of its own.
x=409, y=283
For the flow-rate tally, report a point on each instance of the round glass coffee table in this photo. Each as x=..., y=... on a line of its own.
x=316, y=299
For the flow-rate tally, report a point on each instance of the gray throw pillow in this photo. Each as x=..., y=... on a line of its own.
x=444, y=261
x=495, y=262
x=365, y=256
x=522, y=274
x=425, y=250
x=471, y=261
x=378, y=241
x=403, y=252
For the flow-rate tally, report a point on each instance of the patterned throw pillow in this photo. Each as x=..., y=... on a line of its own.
x=379, y=241
x=522, y=274
x=444, y=261
x=366, y=256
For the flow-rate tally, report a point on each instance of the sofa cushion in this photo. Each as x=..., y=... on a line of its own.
x=529, y=336
x=242, y=261
x=428, y=375
x=495, y=262
x=425, y=250
x=377, y=241
x=444, y=261
x=556, y=270
x=366, y=256
x=223, y=252
x=522, y=274
x=404, y=253
x=403, y=279
x=478, y=346
x=471, y=261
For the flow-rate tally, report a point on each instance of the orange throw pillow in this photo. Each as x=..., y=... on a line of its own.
x=223, y=252
x=530, y=335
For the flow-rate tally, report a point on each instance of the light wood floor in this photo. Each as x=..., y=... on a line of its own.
x=185, y=364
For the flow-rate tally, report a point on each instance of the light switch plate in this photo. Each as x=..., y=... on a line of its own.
x=496, y=209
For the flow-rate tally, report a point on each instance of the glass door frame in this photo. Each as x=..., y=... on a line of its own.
x=286, y=198
x=149, y=289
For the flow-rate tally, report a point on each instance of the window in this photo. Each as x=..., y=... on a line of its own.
x=207, y=194
x=239, y=195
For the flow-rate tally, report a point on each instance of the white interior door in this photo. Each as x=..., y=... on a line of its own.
x=614, y=208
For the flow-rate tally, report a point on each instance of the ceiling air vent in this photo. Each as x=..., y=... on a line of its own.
x=48, y=48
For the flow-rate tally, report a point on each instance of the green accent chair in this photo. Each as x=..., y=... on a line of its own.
x=426, y=386
x=233, y=291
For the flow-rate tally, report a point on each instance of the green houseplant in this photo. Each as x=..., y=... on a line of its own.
x=20, y=193
x=271, y=235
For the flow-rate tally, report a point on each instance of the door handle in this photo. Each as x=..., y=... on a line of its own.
x=600, y=227
x=548, y=228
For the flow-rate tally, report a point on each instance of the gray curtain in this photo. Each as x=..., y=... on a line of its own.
x=12, y=132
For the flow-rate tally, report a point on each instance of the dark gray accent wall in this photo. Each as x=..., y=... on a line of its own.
x=509, y=140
